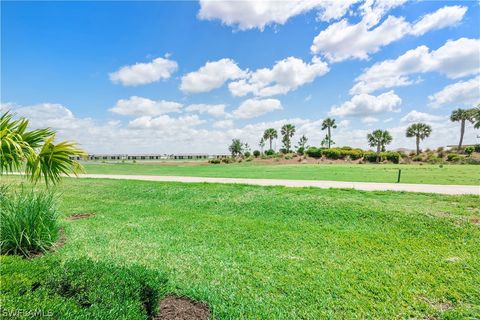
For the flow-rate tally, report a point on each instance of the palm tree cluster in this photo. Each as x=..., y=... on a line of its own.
x=35, y=152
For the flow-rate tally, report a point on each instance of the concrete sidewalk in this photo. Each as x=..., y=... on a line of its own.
x=324, y=184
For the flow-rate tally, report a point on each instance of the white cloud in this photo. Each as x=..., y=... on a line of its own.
x=443, y=17
x=417, y=116
x=249, y=14
x=455, y=59
x=138, y=106
x=216, y=110
x=286, y=75
x=342, y=40
x=463, y=92
x=165, y=122
x=143, y=73
x=365, y=105
x=369, y=120
x=211, y=76
x=252, y=108
x=223, y=124
x=388, y=120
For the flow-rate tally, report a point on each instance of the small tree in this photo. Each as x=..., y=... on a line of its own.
x=476, y=117
x=327, y=142
x=379, y=138
x=329, y=124
x=420, y=131
x=302, y=144
x=287, y=131
x=469, y=150
x=261, y=144
x=236, y=148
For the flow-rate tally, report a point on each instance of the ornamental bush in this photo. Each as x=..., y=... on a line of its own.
x=314, y=152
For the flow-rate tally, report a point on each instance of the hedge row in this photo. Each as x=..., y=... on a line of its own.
x=353, y=154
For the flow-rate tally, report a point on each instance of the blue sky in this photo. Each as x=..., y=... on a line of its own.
x=197, y=74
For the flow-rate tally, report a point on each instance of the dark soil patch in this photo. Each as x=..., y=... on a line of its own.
x=179, y=308
x=79, y=216
x=57, y=245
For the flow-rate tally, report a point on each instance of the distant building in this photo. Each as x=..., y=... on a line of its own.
x=140, y=156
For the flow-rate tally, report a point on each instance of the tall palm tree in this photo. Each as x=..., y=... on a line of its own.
x=329, y=124
x=35, y=152
x=269, y=135
x=420, y=131
x=288, y=130
x=379, y=138
x=461, y=115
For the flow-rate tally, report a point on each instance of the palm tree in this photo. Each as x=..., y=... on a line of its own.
x=35, y=152
x=461, y=115
x=329, y=124
x=420, y=131
x=476, y=117
x=288, y=130
x=379, y=138
x=269, y=135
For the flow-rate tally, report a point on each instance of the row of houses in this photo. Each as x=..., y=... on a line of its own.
x=182, y=156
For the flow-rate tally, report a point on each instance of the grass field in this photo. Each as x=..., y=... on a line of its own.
x=434, y=174
x=276, y=253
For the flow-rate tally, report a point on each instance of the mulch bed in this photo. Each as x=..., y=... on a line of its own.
x=180, y=308
x=79, y=216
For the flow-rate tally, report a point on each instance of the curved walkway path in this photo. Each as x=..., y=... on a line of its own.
x=367, y=186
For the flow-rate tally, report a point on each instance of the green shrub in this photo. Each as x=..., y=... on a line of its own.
x=391, y=156
x=476, y=147
x=332, y=153
x=215, y=161
x=247, y=154
x=270, y=152
x=249, y=159
x=314, y=152
x=301, y=150
x=81, y=289
x=469, y=150
x=28, y=222
x=433, y=159
x=417, y=158
x=288, y=157
x=228, y=160
x=256, y=153
x=370, y=156
x=454, y=157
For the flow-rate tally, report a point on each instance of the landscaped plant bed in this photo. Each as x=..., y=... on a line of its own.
x=181, y=308
x=79, y=216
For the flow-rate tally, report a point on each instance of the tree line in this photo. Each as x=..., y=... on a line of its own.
x=378, y=139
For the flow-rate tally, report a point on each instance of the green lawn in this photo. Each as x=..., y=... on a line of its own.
x=275, y=253
x=448, y=174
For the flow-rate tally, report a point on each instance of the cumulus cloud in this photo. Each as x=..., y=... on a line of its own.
x=460, y=93
x=417, y=116
x=165, y=122
x=249, y=14
x=286, y=75
x=216, y=110
x=342, y=40
x=211, y=76
x=369, y=120
x=223, y=124
x=443, y=17
x=367, y=105
x=455, y=59
x=252, y=108
x=139, y=106
x=143, y=73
